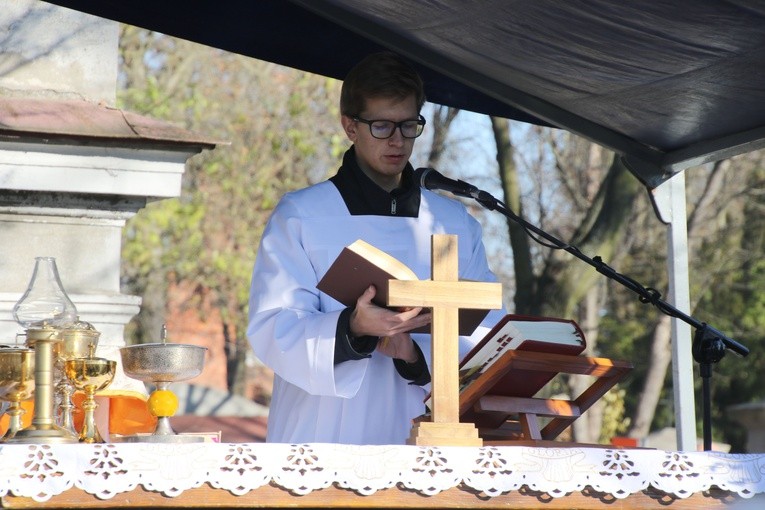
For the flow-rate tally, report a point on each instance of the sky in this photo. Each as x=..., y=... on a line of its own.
x=471, y=157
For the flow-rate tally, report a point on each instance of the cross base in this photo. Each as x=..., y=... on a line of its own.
x=428, y=433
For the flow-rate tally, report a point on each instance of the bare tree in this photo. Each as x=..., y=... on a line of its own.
x=443, y=116
x=561, y=285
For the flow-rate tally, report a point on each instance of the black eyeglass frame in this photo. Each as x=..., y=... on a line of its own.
x=400, y=125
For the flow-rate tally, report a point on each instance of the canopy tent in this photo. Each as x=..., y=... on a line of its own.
x=666, y=85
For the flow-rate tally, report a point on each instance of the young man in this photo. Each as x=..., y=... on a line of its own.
x=334, y=379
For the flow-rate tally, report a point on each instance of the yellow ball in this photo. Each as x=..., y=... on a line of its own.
x=163, y=403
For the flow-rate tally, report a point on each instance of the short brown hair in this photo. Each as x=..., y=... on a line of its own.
x=384, y=75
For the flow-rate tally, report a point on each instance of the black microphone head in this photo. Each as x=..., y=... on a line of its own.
x=421, y=175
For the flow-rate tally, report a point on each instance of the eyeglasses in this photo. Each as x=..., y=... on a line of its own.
x=383, y=129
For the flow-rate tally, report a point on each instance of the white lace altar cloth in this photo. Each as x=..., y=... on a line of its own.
x=104, y=470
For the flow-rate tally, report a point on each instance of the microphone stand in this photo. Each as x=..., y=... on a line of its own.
x=709, y=344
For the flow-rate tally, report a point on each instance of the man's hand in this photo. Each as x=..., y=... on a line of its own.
x=400, y=346
x=370, y=319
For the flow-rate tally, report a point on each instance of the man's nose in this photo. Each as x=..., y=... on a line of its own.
x=397, y=138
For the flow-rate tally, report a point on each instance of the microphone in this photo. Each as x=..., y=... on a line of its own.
x=432, y=179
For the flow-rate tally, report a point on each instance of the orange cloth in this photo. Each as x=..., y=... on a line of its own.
x=130, y=415
x=127, y=415
x=26, y=418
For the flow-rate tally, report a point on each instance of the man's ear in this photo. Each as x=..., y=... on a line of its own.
x=349, y=126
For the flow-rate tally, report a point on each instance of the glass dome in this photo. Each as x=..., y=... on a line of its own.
x=45, y=302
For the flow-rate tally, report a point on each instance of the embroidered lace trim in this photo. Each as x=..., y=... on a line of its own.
x=42, y=471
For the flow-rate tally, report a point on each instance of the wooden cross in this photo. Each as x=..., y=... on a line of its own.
x=445, y=294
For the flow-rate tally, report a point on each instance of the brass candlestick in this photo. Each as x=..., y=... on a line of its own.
x=43, y=310
x=16, y=384
x=90, y=375
x=43, y=428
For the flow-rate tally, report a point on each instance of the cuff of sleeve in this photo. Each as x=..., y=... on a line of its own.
x=348, y=347
x=417, y=373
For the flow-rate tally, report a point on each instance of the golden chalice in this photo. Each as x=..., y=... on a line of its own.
x=17, y=383
x=162, y=364
x=90, y=375
x=78, y=340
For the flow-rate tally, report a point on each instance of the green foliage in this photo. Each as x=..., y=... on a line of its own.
x=727, y=274
x=626, y=335
x=737, y=303
x=278, y=131
x=166, y=234
x=615, y=422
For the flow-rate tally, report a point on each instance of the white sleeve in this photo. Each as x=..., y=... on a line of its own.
x=287, y=329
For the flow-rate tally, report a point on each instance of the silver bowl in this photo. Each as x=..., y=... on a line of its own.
x=163, y=362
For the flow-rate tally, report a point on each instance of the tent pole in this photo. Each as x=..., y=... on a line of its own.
x=708, y=345
x=670, y=203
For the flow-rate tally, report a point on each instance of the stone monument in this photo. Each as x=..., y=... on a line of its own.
x=73, y=167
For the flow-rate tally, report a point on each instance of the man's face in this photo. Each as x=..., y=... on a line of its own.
x=382, y=160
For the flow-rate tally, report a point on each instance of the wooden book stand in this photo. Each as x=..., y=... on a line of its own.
x=511, y=419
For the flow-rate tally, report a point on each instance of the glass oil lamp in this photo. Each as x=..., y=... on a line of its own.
x=45, y=302
x=43, y=310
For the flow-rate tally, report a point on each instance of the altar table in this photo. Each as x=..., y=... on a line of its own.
x=324, y=475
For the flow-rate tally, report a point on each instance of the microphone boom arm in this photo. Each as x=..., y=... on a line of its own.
x=709, y=344
x=645, y=295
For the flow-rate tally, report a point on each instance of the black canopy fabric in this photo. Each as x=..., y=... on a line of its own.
x=666, y=84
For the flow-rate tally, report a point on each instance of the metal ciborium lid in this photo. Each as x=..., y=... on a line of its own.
x=78, y=340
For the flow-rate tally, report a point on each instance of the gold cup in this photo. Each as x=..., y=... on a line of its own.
x=17, y=383
x=90, y=375
x=78, y=340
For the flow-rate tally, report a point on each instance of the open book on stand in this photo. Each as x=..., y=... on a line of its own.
x=520, y=333
x=360, y=265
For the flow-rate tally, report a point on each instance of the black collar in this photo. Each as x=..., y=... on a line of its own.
x=363, y=197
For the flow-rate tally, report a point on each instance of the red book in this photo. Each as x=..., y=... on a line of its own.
x=521, y=333
x=360, y=265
